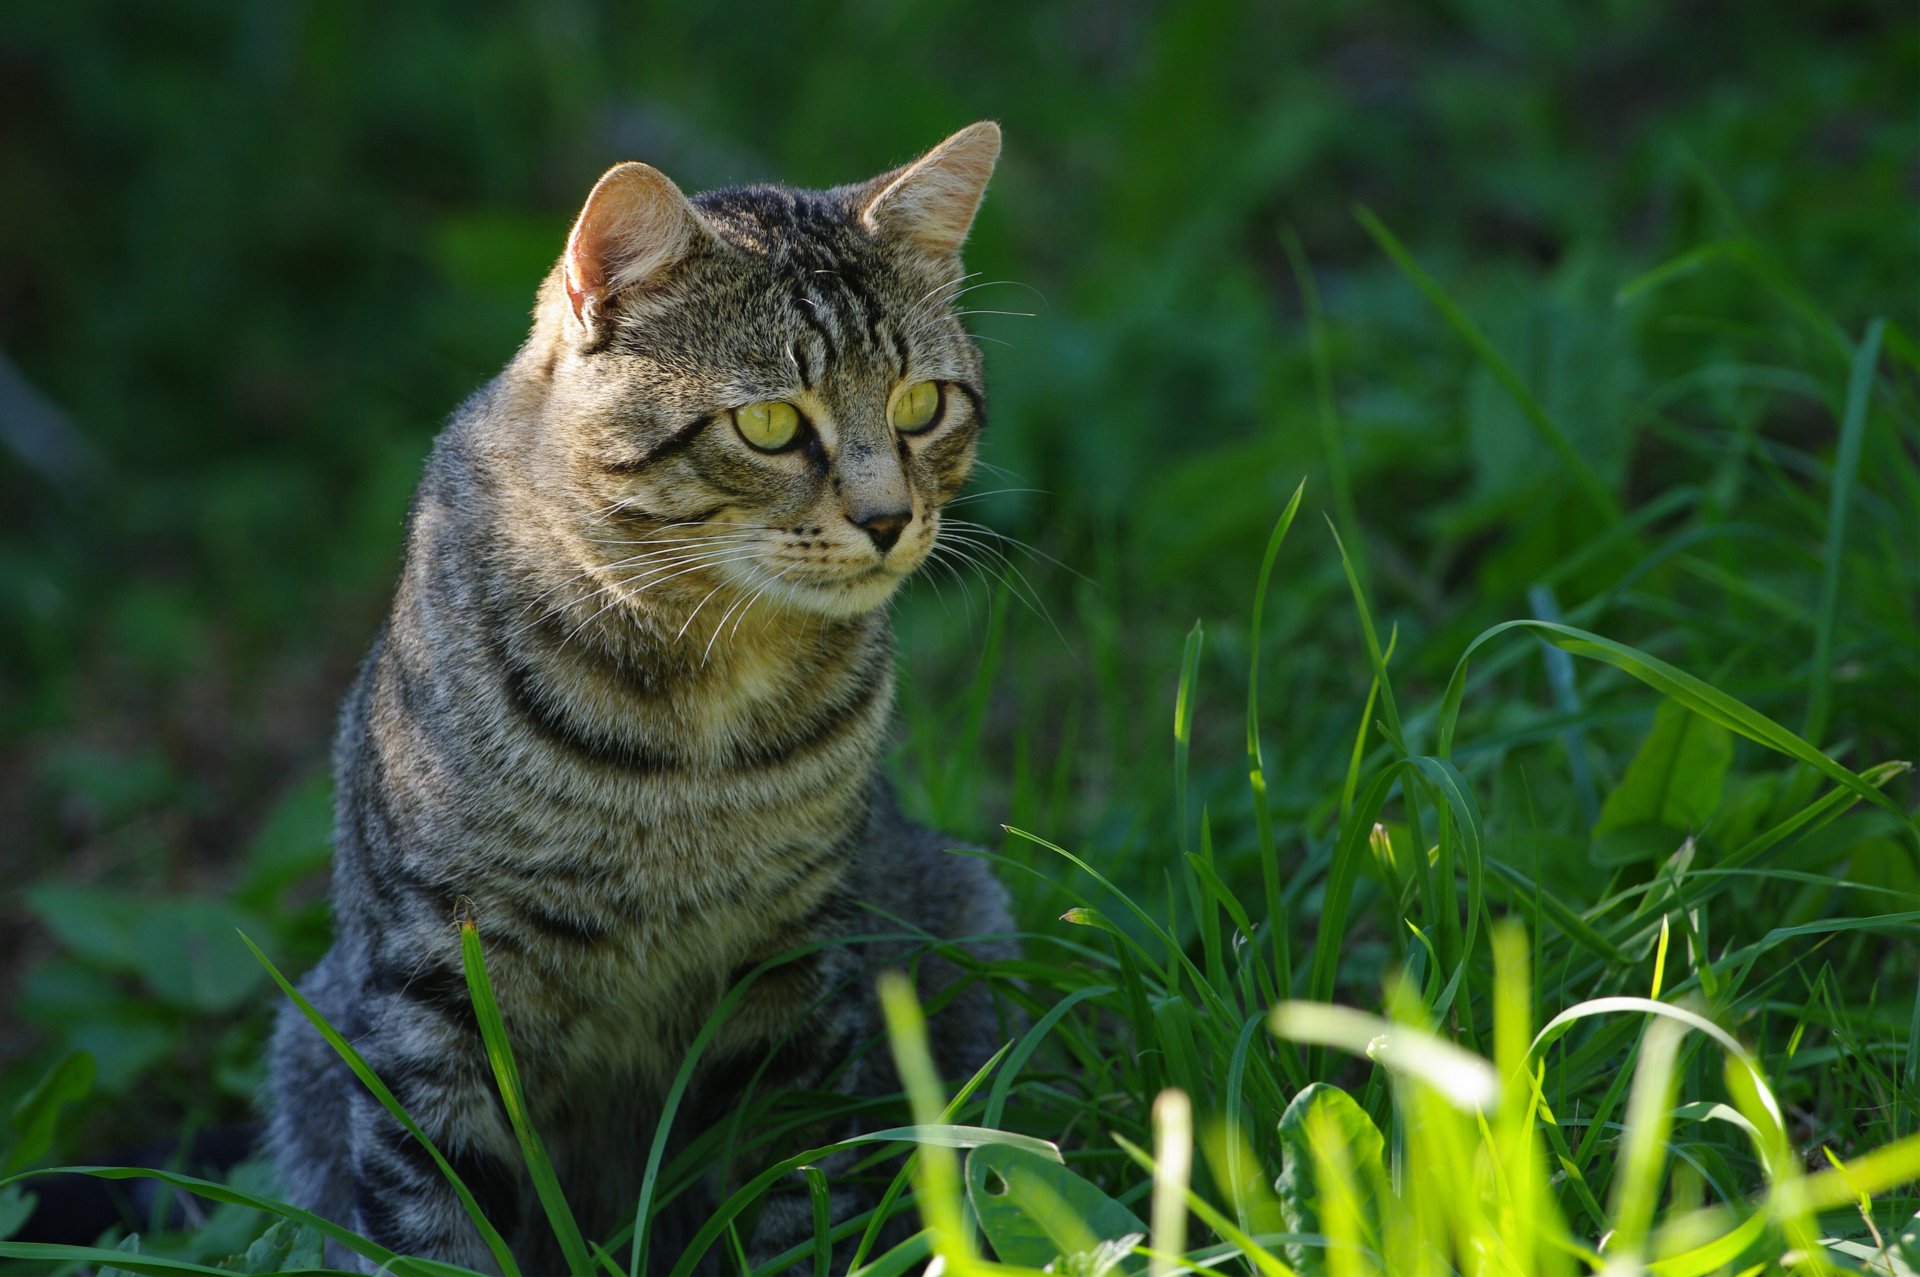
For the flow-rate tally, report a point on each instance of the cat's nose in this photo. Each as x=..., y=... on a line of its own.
x=885, y=527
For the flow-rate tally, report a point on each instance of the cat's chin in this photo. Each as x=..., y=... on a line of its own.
x=839, y=598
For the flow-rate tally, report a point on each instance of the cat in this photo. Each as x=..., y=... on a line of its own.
x=627, y=709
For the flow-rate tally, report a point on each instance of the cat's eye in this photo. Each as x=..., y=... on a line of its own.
x=917, y=408
x=769, y=425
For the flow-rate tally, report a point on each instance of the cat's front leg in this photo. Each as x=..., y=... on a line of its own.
x=401, y=1198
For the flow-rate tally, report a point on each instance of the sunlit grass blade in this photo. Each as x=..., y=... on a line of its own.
x=883, y=1209
x=496, y=1245
x=506, y=1074
x=938, y=1182
x=1466, y=1080
x=1172, y=1167
x=1643, y=1154
x=1248, y=1247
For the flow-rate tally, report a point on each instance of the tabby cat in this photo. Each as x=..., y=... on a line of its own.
x=626, y=711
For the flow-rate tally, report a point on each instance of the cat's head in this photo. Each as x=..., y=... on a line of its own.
x=768, y=389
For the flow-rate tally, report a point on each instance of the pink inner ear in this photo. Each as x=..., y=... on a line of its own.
x=635, y=224
x=584, y=274
x=578, y=287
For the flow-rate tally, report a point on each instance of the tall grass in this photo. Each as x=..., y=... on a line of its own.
x=1631, y=1132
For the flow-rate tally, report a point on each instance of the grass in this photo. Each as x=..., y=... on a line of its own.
x=1496, y=611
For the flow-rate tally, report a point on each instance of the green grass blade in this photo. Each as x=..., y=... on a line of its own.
x=1639, y=1178
x=1737, y=1053
x=1678, y=267
x=1544, y=425
x=938, y=1187
x=1357, y=756
x=1549, y=909
x=670, y=1107
x=496, y=1245
x=1701, y=697
x=1332, y=443
x=1349, y=854
x=1029, y=1043
x=1183, y=727
x=935, y=1135
x=822, y=1220
x=216, y=1192
x=1277, y=912
x=506, y=1073
x=1846, y=466
x=1374, y=655
x=1212, y=996
x=103, y=1258
x=882, y=1211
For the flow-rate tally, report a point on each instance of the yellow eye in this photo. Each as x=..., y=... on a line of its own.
x=769, y=425
x=917, y=407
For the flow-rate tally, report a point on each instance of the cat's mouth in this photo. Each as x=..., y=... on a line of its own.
x=846, y=592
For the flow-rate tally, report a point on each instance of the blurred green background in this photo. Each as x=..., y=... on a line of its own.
x=251, y=255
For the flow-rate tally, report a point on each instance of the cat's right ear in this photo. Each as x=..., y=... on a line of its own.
x=931, y=202
x=635, y=225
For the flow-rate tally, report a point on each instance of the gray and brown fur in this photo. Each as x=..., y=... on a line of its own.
x=627, y=710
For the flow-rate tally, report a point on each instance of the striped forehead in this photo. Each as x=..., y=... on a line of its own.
x=845, y=320
x=823, y=269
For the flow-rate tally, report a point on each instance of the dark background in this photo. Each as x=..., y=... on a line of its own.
x=252, y=254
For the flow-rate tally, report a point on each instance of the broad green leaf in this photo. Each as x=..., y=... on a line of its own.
x=1364, y=1151
x=1035, y=1210
x=285, y=1245
x=16, y=1208
x=1670, y=790
x=295, y=839
x=182, y=947
x=37, y=1114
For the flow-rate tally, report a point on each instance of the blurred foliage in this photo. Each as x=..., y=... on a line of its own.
x=252, y=254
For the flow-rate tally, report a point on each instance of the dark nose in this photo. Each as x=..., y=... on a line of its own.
x=885, y=527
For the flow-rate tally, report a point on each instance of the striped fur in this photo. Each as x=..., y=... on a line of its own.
x=626, y=710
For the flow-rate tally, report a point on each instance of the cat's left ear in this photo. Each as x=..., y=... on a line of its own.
x=635, y=225
x=931, y=202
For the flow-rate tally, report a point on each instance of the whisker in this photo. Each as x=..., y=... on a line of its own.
x=685, y=625
x=991, y=492
x=663, y=559
x=1031, y=596
x=622, y=594
x=1033, y=550
x=746, y=600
